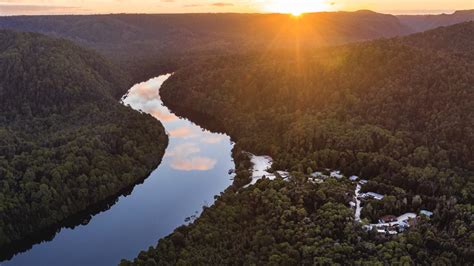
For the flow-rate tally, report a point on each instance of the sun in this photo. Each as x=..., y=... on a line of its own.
x=296, y=13
x=297, y=7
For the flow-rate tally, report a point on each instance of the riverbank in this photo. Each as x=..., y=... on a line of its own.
x=192, y=171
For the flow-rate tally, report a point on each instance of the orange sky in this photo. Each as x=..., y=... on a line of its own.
x=11, y=7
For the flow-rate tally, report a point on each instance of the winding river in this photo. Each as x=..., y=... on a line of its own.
x=194, y=169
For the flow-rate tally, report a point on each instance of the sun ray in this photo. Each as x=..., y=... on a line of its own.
x=297, y=7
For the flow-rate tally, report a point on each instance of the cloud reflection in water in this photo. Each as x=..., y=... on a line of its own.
x=186, y=156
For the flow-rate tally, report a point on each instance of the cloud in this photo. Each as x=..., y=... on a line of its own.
x=145, y=97
x=183, y=150
x=146, y=92
x=184, y=158
x=194, y=164
x=217, y=4
x=221, y=4
x=163, y=116
x=13, y=8
x=182, y=132
x=213, y=139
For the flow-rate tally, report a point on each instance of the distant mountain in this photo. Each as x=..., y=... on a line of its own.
x=426, y=22
x=178, y=32
x=148, y=44
x=66, y=143
x=184, y=32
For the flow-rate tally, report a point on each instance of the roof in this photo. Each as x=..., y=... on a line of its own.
x=406, y=216
x=392, y=232
x=375, y=195
x=426, y=213
x=337, y=174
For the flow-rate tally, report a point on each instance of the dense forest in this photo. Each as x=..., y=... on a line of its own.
x=297, y=222
x=147, y=44
x=66, y=143
x=397, y=112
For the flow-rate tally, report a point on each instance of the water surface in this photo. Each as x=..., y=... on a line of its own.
x=194, y=169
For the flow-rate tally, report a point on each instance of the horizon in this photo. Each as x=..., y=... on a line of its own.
x=295, y=7
x=235, y=132
x=388, y=12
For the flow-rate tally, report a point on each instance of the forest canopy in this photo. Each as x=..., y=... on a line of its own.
x=397, y=112
x=66, y=143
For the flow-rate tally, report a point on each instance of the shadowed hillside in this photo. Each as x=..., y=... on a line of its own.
x=66, y=143
x=426, y=22
x=184, y=30
x=146, y=45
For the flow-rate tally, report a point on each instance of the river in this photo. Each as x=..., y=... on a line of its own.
x=194, y=169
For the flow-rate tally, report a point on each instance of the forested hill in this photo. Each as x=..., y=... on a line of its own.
x=66, y=143
x=43, y=72
x=426, y=22
x=397, y=112
x=400, y=85
x=183, y=30
x=454, y=41
x=151, y=33
x=148, y=44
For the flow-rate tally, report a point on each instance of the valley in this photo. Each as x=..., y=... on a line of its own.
x=274, y=141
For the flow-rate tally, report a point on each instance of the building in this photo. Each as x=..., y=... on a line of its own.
x=392, y=231
x=373, y=195
x=336, y=174
x=426, y=213
x=353, y=178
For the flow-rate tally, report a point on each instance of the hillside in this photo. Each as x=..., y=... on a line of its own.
x=145, y=45
x=66, y=143
x=453, y=41
x=168, y=29
x=396, y=112
x=426, y=22
x=157, y=33
x=53, y=74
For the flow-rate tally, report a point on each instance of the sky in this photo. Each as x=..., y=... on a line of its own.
x=31, y=7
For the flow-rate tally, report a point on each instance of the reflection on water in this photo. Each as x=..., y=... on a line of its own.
x=193, y=170
x=187, y=154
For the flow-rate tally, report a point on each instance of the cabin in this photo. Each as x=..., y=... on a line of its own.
x=336, y=174
x=363, y=182
x=407, y=216
x=426, y=213
x=392, y=231
x=320, y=175
x=374, y=195
x=353, y=178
